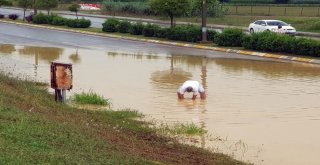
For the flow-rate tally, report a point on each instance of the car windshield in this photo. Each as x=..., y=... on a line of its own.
x=276, y=23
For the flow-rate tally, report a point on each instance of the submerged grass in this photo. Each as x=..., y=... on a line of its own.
x=181, y=129
x=91, y=98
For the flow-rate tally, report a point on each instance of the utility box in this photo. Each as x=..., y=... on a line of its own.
x=61, y=76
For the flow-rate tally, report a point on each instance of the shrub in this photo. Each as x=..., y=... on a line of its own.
x=150, y=30
x=230, y=37
x=193, y=33
x=273, y=42
x=137, y=28
x=13, y=16
x=110, y=25
x=211, y=35
x=177, y=33
x=124, y=27
x=161, y=32
x=1, y=16
x=59, y=21
x=50, y=18
x=304, y=46
x=40, y=19
x=78, y=23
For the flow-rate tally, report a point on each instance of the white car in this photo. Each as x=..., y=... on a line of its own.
x=271, y=25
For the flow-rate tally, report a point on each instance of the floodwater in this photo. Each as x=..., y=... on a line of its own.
x=263, y=112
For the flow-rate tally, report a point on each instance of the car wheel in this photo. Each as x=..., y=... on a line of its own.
x=251, y=31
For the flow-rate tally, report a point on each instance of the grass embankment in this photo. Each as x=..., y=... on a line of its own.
x=34, y=129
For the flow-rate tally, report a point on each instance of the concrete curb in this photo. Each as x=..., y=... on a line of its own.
x=188, y=45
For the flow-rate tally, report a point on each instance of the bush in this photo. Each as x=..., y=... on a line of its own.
x=193, y=33
x=40, y=19
x=304, y=46
x=273, y=42
x=1, y=16
x=110, y=25
x=150, y=30
x=124, y=27
x=177, y=33
x=211, y=35
x=78, y=23
x=13, y=16
x=50, y=18
x=161, y=32
x=59, y=21
x=230, y=37
x=137, y=28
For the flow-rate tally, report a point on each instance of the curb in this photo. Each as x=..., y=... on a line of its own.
x=188, y=45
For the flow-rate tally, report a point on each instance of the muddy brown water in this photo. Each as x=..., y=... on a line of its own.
x=258, y=111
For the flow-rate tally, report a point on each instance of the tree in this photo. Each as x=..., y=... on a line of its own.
x=24, y=4
x=74, y=8
x=47, y=4
x=5, y=2
x=171, y=8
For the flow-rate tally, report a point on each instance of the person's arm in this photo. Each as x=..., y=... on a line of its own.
x=203, y=95
x=194, y=96
x=180, y=96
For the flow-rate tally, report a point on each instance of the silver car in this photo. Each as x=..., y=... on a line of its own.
x=271, y=25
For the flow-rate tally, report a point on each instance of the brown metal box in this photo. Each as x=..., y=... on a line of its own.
x=61, y=76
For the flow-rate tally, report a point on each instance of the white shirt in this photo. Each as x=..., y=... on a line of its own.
x=196, y=87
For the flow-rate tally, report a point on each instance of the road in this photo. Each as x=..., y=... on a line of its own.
x=22, y=35
x=97, y=20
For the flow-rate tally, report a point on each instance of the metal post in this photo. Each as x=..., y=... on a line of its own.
x=64, y=96
x=204, y=26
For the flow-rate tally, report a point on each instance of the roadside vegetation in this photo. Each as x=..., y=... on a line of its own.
x=301, y=14
x=34, y=129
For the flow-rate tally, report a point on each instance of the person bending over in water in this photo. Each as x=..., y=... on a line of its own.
x=191, y=86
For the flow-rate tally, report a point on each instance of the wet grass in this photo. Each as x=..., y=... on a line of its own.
x=34, y=129
x=181, y=129
x=91, y=98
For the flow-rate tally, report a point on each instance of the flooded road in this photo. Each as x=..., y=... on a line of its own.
x=260, y=111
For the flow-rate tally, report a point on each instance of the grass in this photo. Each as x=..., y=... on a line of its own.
x=181, y=129
x=34, y=129
x=91, y=98
x=268, y=10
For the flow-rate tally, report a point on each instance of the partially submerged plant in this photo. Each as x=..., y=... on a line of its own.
x=91, y=98
x=182, y=129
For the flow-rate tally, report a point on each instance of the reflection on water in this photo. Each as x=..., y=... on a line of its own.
x=42, y=53
x=257, y=111
x=7, y=48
